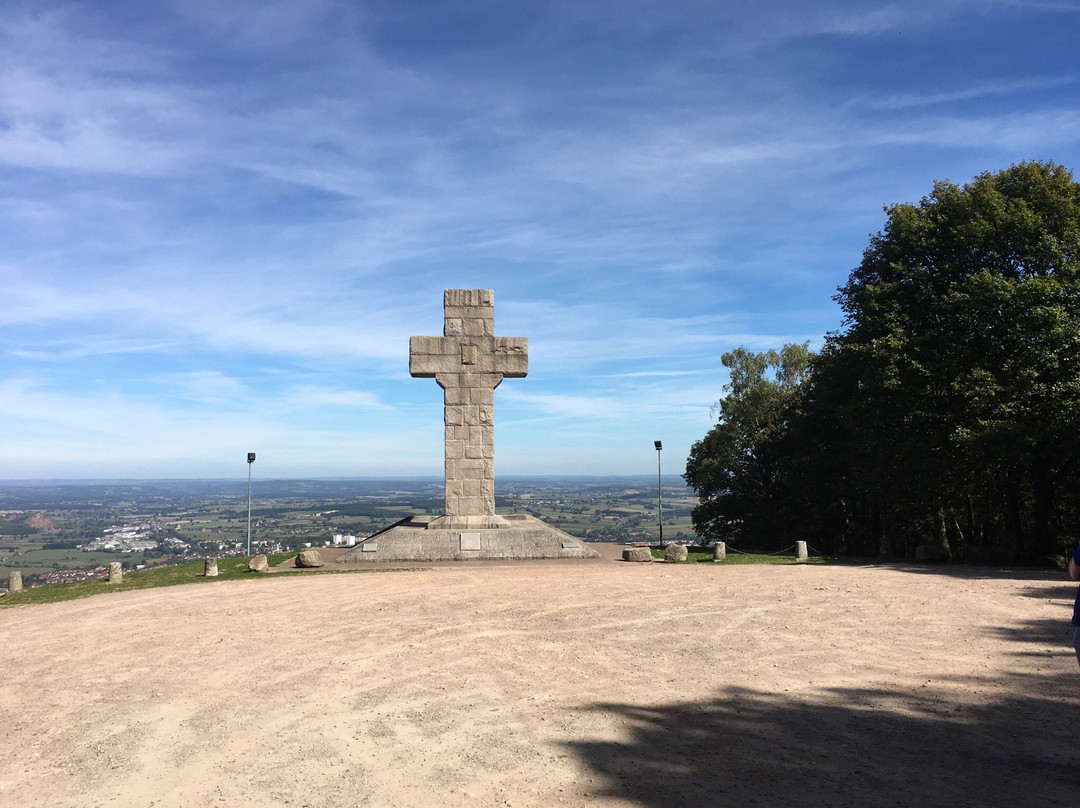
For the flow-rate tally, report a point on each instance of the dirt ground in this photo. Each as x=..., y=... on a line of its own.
x=550, y=683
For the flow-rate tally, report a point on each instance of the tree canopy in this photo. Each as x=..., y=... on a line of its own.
x=735, y=467
x=946, y=410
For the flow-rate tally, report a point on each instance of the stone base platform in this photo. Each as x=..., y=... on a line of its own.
x=425, y=539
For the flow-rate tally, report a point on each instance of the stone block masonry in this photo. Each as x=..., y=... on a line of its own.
x=468, y=362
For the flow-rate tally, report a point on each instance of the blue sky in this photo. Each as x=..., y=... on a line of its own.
x=221, y=222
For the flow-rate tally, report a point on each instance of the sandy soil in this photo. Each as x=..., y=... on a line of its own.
x=553, y=683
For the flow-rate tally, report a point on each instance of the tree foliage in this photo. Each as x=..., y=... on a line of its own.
x=735, y=467
x=947, y=409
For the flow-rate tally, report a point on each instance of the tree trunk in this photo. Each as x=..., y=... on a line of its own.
x=1042, y=483
x=877, y=528
x=973, y=531
x=1014, y=536
x=941, y=533
x=961, y=540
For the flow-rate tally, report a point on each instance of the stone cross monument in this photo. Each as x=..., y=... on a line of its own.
x=468, y=362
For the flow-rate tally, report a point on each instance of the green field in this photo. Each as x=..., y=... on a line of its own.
x=33, y=562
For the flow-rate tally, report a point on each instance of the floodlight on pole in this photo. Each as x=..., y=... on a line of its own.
x=659, y=490
x=251, y=461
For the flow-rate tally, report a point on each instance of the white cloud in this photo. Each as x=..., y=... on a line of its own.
x=320, y=397
x=28, y=301
x=107, y=433
x=568, y=405
x=207, y=386
x=976, y=91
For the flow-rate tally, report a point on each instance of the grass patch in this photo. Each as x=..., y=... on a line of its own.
x=698, y=557
x=229, y=569
x=761, y=558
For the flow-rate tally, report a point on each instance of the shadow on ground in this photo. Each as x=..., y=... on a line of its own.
x=842, y=748
x=1046, y=636
x=973, y=572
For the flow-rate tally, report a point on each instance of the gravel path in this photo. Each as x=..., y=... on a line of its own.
x=553, y=683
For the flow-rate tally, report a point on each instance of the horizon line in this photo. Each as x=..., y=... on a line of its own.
x=392, y=477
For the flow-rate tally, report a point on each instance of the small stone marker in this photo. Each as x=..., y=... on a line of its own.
x=636, y=554
x=675, y=553
x=931, y=552
x=258, y=564
x=308, y=559
x=719, y=551
x=210, y=568
x=14, y=581
x=800, y=551
x=116, y=572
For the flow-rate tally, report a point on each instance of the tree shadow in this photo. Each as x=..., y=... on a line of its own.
x=1049, y=635
x=1064, y=591
x=979, y=573
x=853, y=747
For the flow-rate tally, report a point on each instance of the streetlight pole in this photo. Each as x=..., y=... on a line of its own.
x=251, y=461
x=659, y=490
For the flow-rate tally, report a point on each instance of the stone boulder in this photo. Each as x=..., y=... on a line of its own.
x=258, y=564
x=981, y=556
x=636, y=554
x=931, y=553
x=675, y=553
x=309, y=558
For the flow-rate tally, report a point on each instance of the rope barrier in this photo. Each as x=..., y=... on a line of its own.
x=810, y=551
x=743, y=552
x=731, y=549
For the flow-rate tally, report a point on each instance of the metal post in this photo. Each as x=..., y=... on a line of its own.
x=251, y=461
x=659, y=490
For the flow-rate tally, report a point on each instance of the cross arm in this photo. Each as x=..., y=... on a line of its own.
x=510, y=356
x=431, y=355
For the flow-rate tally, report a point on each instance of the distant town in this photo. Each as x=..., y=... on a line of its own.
x=57, y=532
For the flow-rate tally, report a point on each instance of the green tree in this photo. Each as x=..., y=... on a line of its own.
x=955, y=386
x=735, y=468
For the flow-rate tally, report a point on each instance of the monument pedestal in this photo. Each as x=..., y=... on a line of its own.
x=443, y=539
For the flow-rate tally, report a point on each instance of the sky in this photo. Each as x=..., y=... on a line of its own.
x=220, y=223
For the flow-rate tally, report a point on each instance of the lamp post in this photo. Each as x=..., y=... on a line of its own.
x=659, y=491
x=251, y=461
